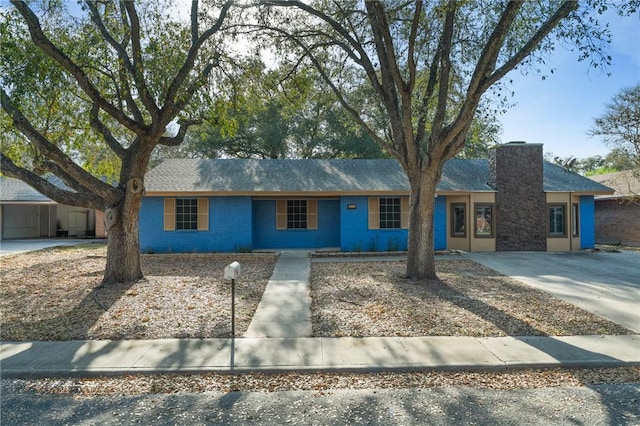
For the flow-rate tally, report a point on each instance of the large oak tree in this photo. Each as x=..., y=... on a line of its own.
x=123, y=76
x=426, y=66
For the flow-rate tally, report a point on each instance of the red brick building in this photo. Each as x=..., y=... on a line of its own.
x=618, y=215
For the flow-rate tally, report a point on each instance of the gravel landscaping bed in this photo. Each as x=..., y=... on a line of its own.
x=363, y=299
x=55, y=294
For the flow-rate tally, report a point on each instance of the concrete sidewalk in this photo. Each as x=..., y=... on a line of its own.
x=94, y=358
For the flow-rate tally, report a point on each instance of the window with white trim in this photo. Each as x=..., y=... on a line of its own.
x=484, y=220
x=557, y=220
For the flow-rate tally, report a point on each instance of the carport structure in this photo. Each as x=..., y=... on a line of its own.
x=26, y=213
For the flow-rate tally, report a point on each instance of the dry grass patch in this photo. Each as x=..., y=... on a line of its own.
x=373, y=299
x=56, y=295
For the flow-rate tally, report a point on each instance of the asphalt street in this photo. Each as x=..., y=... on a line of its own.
x=611, y=404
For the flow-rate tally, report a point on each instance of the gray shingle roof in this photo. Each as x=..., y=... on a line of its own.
x=558, y=179
x=18, y=191
x=318, y=176
x=625, y=183
x=231, y=175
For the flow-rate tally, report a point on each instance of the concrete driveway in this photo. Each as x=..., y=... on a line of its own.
x=22, y=246
x=607, y=284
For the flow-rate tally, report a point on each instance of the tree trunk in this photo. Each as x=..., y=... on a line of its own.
x=123, y=248
x=421, y=255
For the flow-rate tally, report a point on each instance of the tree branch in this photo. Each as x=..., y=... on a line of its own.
x=108, y=137
x=563, y=11
x=41, y=40
x=411, y=63
x=182, y=132
x=138, y=63
x=172, y=91
x=78, y=199
x=52, y=152
x=445, y=70
x=125, y=62
x=356, y=45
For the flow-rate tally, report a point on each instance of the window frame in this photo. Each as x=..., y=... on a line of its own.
x=282, y=214
x=297, y=214
x=186, y=214
x=575, y=220
x=392, y=217
x=555, y=234
x=476, y=222
x=171, y=214
x=453, y=232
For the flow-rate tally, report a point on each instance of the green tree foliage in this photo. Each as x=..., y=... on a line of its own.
x=93, y=93
x=274, y=113
x=426, y=67
x=619, y=127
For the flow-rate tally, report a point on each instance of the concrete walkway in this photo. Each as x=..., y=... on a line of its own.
x=285, y=307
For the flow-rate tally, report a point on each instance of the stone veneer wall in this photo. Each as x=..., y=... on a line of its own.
x=516, y=173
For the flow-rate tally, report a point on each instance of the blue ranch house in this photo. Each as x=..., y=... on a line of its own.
x=511, y=201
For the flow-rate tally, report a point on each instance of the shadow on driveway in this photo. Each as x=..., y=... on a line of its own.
x=606, y=284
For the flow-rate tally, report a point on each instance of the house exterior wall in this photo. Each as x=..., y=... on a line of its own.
x=266, y=236
x=469, y=241
x=101, y=231
x=560, y=243
x=77, y=221
x=516, y=171
x=617, y=222
x=440, y=224
x=355, y=234
x=230, y=228
x=588, y=221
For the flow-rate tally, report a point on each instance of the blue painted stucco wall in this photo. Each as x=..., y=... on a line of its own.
x=440, y=223
x=356, y=235
x=266, y=236
x=587, y=222
x=241, y=223
x=230, y=229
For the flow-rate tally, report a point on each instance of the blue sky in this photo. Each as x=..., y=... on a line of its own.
x=559, y=110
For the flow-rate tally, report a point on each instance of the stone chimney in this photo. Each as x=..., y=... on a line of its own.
x=515, y=170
